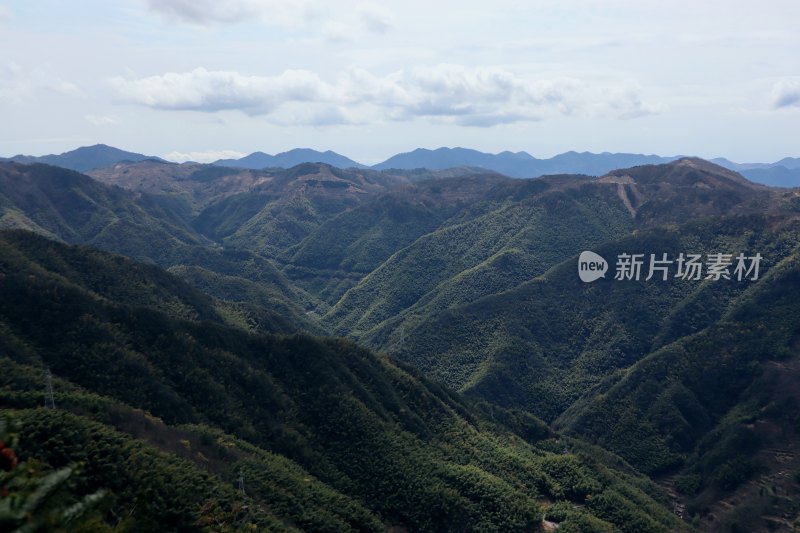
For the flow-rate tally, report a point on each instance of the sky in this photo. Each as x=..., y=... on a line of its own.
x=205, y=79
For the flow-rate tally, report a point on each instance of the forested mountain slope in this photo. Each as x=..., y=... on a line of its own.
x=327, y=435
x=720, y=406
x=469, y=277
x=72, y=207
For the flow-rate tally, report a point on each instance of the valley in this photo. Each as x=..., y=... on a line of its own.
x=386, y=348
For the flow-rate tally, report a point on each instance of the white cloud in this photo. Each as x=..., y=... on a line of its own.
x=203, y=90
x=5, y=13
x=65, y=87
x=481, y=96
x=488, y=96
x=337, y=32
x=376, y=18
x=208, y=156
x=786, y=93
x=101, y=120
x=11, y=68
x=13, y=83
x=339, y=22
x=622, y=100
x=18, y=84
x=208, y=12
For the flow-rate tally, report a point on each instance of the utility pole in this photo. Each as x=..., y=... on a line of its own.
x=241, y=482
x=49, y=401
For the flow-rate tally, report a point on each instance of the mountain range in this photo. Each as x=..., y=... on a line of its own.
x=169, y=398
x=783, y=173
x=83, y=158
x=259, y=160
x=519, y=164
x=187, y=315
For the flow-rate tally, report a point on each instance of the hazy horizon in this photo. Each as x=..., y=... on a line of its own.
x=206, y=80
x=239, y=155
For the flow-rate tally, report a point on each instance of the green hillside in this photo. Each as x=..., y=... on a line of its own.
x=523, y=228
x=279, y=212
x=74, y=208
x=521, y=234
x=541, y=344
x=71, y=207
x=721, y=404
x=346, y=248
x=167, y=408
x=470, y=279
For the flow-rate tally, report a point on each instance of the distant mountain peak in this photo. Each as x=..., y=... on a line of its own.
x=86, y=158
x=289, y=159
x=708, y=166
x=517, y=164
x=520, y=164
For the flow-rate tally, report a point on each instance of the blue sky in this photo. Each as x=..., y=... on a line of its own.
x=202, y=79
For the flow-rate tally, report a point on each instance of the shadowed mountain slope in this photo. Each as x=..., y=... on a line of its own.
x=329, y=436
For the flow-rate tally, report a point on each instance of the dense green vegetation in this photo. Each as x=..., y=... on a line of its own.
x=488, y=254
x=354, y=243
x=543, y=343
x=74, y=208
x=347, y=247
x=288, y=206
x=147, y=490
x=33, y=499
x=327, y=436
x=709, y=402
x=208, y=372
